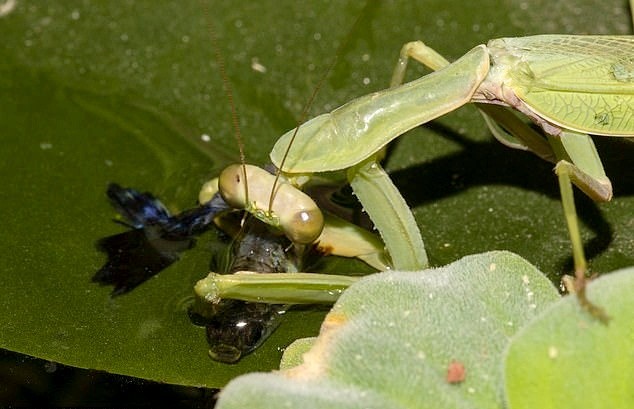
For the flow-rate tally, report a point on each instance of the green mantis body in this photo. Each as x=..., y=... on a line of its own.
x=569, y=86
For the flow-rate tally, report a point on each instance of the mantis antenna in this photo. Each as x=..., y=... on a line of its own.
x=226, y=85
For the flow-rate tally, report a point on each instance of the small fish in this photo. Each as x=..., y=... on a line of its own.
x=237, y=328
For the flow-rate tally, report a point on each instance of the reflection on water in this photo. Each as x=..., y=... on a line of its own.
x=155, y=240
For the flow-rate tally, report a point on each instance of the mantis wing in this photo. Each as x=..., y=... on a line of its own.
x=581, y=83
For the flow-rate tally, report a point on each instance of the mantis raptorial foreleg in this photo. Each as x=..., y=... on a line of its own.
x=390, y=214
x=504, y=125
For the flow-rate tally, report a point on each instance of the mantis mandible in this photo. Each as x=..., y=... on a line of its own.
x=569, y=86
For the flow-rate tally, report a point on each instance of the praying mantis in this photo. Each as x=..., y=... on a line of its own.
x=568, y=86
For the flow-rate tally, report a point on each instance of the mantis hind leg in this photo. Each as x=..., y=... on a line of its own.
x=580, y=165
x=564, y=171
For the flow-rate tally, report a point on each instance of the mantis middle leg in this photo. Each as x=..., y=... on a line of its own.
x=576, y=158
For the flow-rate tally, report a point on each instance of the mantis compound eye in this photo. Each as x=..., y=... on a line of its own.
x=306, y=226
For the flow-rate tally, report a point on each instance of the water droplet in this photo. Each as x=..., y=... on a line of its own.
x=553, y=352
x=256, y=66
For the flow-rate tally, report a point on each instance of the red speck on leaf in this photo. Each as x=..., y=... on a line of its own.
x=456, y=372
